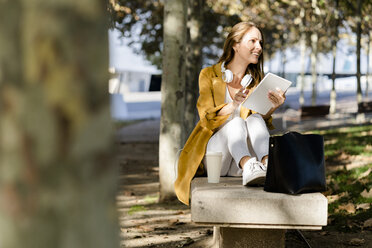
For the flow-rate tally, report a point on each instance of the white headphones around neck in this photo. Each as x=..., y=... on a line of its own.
x=227, y=76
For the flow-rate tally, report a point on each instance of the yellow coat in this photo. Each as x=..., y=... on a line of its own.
x=211, y=99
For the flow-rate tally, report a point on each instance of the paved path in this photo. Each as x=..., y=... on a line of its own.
x=148, y=130
x=145, y=131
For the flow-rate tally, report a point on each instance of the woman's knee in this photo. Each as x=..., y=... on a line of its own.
x=237, y=121
x=255, y=118
x=236, y=126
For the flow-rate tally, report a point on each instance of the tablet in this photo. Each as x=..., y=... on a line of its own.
x=258, y=100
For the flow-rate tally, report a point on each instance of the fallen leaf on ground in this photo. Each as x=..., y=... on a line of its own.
x=350, y=208
x=367, y=223
x=364, y=174
x=366, y=194
x=146, y=228
x=364, y=206
x=363, y=180
x=356, y=242
x=333, y=198
x=368, y=147
x=335, y=186
x=173, y=221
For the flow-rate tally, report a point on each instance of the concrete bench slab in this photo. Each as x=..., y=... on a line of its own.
x=230, y=204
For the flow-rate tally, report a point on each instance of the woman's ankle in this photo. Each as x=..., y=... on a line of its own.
x=264, y=160
x=243, y=160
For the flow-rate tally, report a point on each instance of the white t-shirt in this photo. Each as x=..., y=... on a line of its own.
x=228, y=99
x=236, y=112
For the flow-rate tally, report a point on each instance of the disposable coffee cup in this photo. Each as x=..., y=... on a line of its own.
x=213, y=162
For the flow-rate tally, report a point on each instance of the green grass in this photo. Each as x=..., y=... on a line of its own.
x=347, y=140
x=151, y=199
x=342, y=147
x=135, y=209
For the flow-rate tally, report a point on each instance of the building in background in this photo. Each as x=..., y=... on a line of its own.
x=135, y=83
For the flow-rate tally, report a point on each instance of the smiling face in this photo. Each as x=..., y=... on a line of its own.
x=249, y=48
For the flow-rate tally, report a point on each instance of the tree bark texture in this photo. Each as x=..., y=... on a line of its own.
x=314, y=57
x=303, y=54
x=333, y=95
x=369, y=56
x=57, y=180
x=194, y=62
x=359, y=37
x=172, y=135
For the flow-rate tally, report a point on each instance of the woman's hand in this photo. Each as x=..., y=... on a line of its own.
x=277, y=98
x=239, y=97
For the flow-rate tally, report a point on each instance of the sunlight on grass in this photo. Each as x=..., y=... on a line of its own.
x=348, y=207
x=135, y=209
x=151, y=199
x=347, y=141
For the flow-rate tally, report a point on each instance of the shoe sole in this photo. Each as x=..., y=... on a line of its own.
x=256, y=181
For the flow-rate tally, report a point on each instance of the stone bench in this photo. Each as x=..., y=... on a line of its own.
x=249, y=216
x=314, y=111
x=365, y=107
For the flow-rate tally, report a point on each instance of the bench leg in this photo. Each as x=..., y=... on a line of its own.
x=246, y=237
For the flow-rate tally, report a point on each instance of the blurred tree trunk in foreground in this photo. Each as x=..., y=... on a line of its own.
x=57, y=184
x=172, y=136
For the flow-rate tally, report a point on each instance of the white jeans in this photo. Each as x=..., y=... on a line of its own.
x=239, y=138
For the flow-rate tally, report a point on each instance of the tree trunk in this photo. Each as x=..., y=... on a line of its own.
x=333, y=96
x=368, y=62
x=172, y=135
x=284, y=61
x=280, y=64
x=57, y=180
x=313, y=57
x=194, y=62
x=359, y=37
x=302, y=60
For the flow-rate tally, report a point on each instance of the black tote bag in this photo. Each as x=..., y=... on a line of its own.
x=296, y=164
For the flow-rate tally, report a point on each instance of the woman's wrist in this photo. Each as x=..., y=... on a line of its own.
x=228, y=109
x=235, y=105
x=268, y=114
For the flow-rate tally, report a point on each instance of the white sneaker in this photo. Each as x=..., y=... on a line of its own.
x=253, y=172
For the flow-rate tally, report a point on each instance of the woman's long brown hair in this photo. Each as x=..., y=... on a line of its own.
x=235, y=36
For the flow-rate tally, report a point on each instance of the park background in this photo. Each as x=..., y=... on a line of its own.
x=70, y=177
x=323, y=47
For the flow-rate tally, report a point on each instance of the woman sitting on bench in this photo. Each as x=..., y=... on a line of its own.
x=225, y=126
